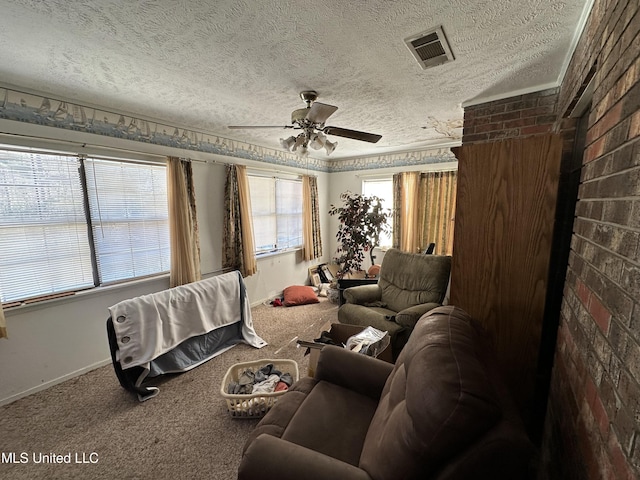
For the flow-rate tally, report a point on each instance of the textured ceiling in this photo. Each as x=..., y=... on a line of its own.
x=205, y=65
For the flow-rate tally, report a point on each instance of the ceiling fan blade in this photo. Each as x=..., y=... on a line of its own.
x=354, y=134
x=319, y=112
x=236, y=127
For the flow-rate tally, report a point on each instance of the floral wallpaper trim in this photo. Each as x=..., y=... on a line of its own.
x=423, y=157
x=41, y=110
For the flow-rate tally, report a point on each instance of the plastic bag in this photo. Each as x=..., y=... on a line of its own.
x=370, y=341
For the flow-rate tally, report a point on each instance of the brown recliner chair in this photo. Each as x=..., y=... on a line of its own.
x=442, y=412
x=410, y=285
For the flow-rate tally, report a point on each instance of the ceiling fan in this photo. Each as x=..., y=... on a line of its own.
x=311, y=120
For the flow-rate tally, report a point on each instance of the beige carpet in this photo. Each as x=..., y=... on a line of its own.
x=184, y=432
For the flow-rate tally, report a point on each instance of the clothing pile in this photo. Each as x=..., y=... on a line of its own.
x=267, y=379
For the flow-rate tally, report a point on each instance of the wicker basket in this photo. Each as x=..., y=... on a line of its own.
x=254, y=406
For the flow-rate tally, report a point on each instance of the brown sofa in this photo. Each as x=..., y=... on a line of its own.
x=441, y=412
x=410, y=285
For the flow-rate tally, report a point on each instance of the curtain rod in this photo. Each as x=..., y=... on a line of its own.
x=373, y=176
x=80, y=144
x=126, y=150
x=250, y=167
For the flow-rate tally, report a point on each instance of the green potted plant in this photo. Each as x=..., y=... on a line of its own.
x=362, y=220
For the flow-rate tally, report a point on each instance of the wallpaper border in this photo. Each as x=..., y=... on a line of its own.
x=45, y=110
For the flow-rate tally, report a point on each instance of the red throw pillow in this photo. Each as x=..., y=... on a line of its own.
x=299, y=295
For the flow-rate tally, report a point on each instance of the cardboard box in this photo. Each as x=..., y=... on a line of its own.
x=339, y=333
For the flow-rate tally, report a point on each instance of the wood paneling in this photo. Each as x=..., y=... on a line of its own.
x=504, y=228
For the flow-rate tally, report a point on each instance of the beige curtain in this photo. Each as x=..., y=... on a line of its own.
x=183, y=223
x=397, y=211
x=311, y=241
x=409, y=210
x=238, y=244
x=437, y=210
x=424, y=207
x=3, y=324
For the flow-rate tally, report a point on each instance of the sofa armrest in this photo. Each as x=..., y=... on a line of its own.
x=410, y=316
x=270, y=457
x=355, y=371
x=363, y=294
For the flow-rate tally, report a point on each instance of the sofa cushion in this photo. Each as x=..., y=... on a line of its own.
x=277, y=419
x=437, y=401
x=377, y=317
x=327, y=410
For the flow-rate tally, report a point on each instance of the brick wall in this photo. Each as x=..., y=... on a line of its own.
x=520, y=116
x=592, y=428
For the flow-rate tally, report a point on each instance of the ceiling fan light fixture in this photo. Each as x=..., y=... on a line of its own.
x=329, y=146
x=317, y=141
x=311, y=120
x=300, y=141
x=288, y=143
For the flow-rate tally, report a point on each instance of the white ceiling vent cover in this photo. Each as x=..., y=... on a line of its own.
x=430, y=48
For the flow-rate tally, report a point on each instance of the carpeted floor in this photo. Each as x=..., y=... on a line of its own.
x=184, y=432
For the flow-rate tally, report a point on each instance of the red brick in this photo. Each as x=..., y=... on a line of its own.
x=618, y=459
x=595, y=150
x=606, y=123
x=601, y=417
x=634, y=130
x=599, y=313
x=585, y=427
x=537, y=111
x=590, y=391
x=520, y=122
x=489, y=127
x=545, y=119
x=501, y=117
x=583, y=292
x=535, y=129
x=478, y=137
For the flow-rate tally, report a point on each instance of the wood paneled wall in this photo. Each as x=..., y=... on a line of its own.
x=504, y=227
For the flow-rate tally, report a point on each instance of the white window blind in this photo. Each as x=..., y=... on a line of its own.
x=129, y=216
x=44, y=246
x=289, y=213
x=276, y=206
x=382, y=189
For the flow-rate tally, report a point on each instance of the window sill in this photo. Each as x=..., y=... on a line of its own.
x=277, y=252
x=85, y=294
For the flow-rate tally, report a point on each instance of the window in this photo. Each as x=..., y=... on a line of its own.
x=276, y=207
x=128, y=205
x=50, y=243
x=383, y=189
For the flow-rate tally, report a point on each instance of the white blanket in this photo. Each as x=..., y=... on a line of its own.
x=150, y=325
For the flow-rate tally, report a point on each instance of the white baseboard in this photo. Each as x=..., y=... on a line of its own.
x=266, y=300
x=55, y=381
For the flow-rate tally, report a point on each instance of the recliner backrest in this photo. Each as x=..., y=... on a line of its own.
x=409, y=279
x=436, y=403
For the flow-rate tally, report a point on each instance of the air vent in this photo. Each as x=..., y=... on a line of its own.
x=430, y=48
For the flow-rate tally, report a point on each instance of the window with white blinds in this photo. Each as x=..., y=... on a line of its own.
x=383, y=189
x=128, y=206
x=276, y=206
x=51, y=244
x=44, y=246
